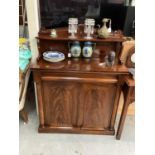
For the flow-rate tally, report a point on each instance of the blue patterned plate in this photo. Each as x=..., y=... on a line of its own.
x=53, y=56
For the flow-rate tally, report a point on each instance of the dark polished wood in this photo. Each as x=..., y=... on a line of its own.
x=129, y=97
x=128, y=91
x=75, y=130
x=78, y=95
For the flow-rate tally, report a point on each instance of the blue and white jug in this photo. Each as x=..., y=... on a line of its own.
x=87, y=50
x=75, y=49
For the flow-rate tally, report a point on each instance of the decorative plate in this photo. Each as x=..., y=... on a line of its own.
x=53, y=56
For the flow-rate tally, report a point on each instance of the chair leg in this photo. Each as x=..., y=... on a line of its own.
x=127, y=102
x=24, y=115
x=122, y=121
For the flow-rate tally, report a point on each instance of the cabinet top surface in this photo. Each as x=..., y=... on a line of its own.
x=95, y=65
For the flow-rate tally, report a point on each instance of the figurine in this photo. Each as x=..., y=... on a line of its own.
x=53, y=33
x=110, y=59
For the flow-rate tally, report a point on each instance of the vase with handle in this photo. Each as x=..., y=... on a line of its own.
x=88, y=49
x=104, y=32
x=75, y=49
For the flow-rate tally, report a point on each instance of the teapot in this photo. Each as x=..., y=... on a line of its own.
x=104, y=31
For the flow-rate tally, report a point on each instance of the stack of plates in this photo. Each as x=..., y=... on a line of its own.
x=53, y=56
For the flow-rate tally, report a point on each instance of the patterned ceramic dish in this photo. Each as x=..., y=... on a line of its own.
x=53, y=56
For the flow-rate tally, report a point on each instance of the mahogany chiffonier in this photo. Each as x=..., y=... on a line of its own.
x=78, y=95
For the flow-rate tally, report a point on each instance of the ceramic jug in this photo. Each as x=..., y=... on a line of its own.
x=75, y=49
x=104, y=32
x=88, y=49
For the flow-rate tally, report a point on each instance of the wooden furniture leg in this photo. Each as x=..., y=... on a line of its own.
x=122, y=119
x=129, y=97
x=24, y=115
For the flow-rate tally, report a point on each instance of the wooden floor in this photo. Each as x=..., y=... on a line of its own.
x=131, y=110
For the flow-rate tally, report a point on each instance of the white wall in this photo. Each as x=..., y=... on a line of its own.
x=33, y=25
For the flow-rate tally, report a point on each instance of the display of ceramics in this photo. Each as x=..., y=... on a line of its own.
x=75, y=49
x=53, y=56
x=87, y=49
x=75, y=46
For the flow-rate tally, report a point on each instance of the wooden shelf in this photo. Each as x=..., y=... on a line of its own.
x=62, y=35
